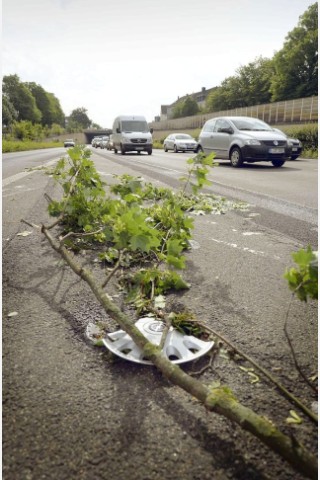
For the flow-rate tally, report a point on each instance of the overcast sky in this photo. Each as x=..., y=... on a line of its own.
x=132, y=56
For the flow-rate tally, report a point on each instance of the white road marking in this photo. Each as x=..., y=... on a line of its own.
x=244, y=249
x=18, y=176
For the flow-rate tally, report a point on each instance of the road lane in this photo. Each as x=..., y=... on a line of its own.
x=291, y=190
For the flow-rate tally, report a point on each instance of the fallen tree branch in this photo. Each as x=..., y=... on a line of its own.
x=289, y=395
x=219, y=400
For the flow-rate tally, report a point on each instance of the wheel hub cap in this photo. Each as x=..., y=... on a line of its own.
x=178, y=348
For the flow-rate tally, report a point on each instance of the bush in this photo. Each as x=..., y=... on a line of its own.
x=307, y=134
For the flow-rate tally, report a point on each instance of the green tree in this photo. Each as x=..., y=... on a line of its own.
x=78, y=120
x=255, y=81
x=296, y=64
x=48, y=105
x=185, y=107
x=9, y=113
x=57, y=115
x=250, y=86
x=189, y=107
x=21, y=98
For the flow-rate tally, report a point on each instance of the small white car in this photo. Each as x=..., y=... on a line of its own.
x=69, y=143
x=182, y=142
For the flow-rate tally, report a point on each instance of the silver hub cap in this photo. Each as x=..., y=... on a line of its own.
x=178, y=348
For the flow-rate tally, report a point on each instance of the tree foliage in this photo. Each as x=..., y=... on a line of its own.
x=21, y=98
x=291, y=73
x=48, y=105
x=9, y=113
x=296, y=64
x=78, y=120
x=250, y=86
x=185, y=107
x=303, y=280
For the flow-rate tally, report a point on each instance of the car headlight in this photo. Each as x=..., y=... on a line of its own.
x=252, y=141
x=127, y=139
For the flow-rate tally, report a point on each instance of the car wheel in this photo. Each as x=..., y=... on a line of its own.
x=115, y=150
x=294, y=157
x=165, y=148
x=175, y=149
x=278, y=163
x=236, y=157
x=149, y=152
x=122, y=150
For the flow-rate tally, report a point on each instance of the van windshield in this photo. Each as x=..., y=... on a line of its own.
x=134, y=126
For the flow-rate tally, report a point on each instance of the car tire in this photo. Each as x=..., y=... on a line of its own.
x=236, y=157
x=175, y=149
x=278, y=163
x=165, y=148
x=149, y=152
x=115, y=150
x=122, y=150
x=199, y=149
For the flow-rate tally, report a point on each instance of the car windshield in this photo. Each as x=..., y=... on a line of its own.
x=183, y=137
x=251, y=124
x=134, y=126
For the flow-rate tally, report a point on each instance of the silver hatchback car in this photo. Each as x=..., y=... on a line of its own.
x=244, y=139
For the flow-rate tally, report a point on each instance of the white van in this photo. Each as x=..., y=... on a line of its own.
x=131, y=133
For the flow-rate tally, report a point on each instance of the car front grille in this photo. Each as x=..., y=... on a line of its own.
x=270, y=143
x=138, y=140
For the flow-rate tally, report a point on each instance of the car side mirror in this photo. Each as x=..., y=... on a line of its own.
x=151, y=130
x=225, y=130
x=118, y=130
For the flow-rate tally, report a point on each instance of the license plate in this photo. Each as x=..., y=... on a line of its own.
x=294, y=149
x=139, y=148
x=276, y=150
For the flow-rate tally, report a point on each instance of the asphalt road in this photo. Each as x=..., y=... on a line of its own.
x=286, y=198
x=71, y=412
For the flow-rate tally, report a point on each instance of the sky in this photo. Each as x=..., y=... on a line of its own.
x=126, y=57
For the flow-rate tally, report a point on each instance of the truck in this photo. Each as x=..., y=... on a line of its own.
x=131, y=133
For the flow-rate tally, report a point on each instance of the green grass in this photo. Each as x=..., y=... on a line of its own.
x=23, y=145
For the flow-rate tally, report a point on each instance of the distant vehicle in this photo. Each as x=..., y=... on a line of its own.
x=110, y=143
x=296, y=145
x=244, y=139
x=180, y=142
x=69, y=143
x=131, y=133
x=96, y=142
x=104, y=142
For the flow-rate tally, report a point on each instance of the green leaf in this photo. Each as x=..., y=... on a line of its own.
x=177, y=262
x=140, y=242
